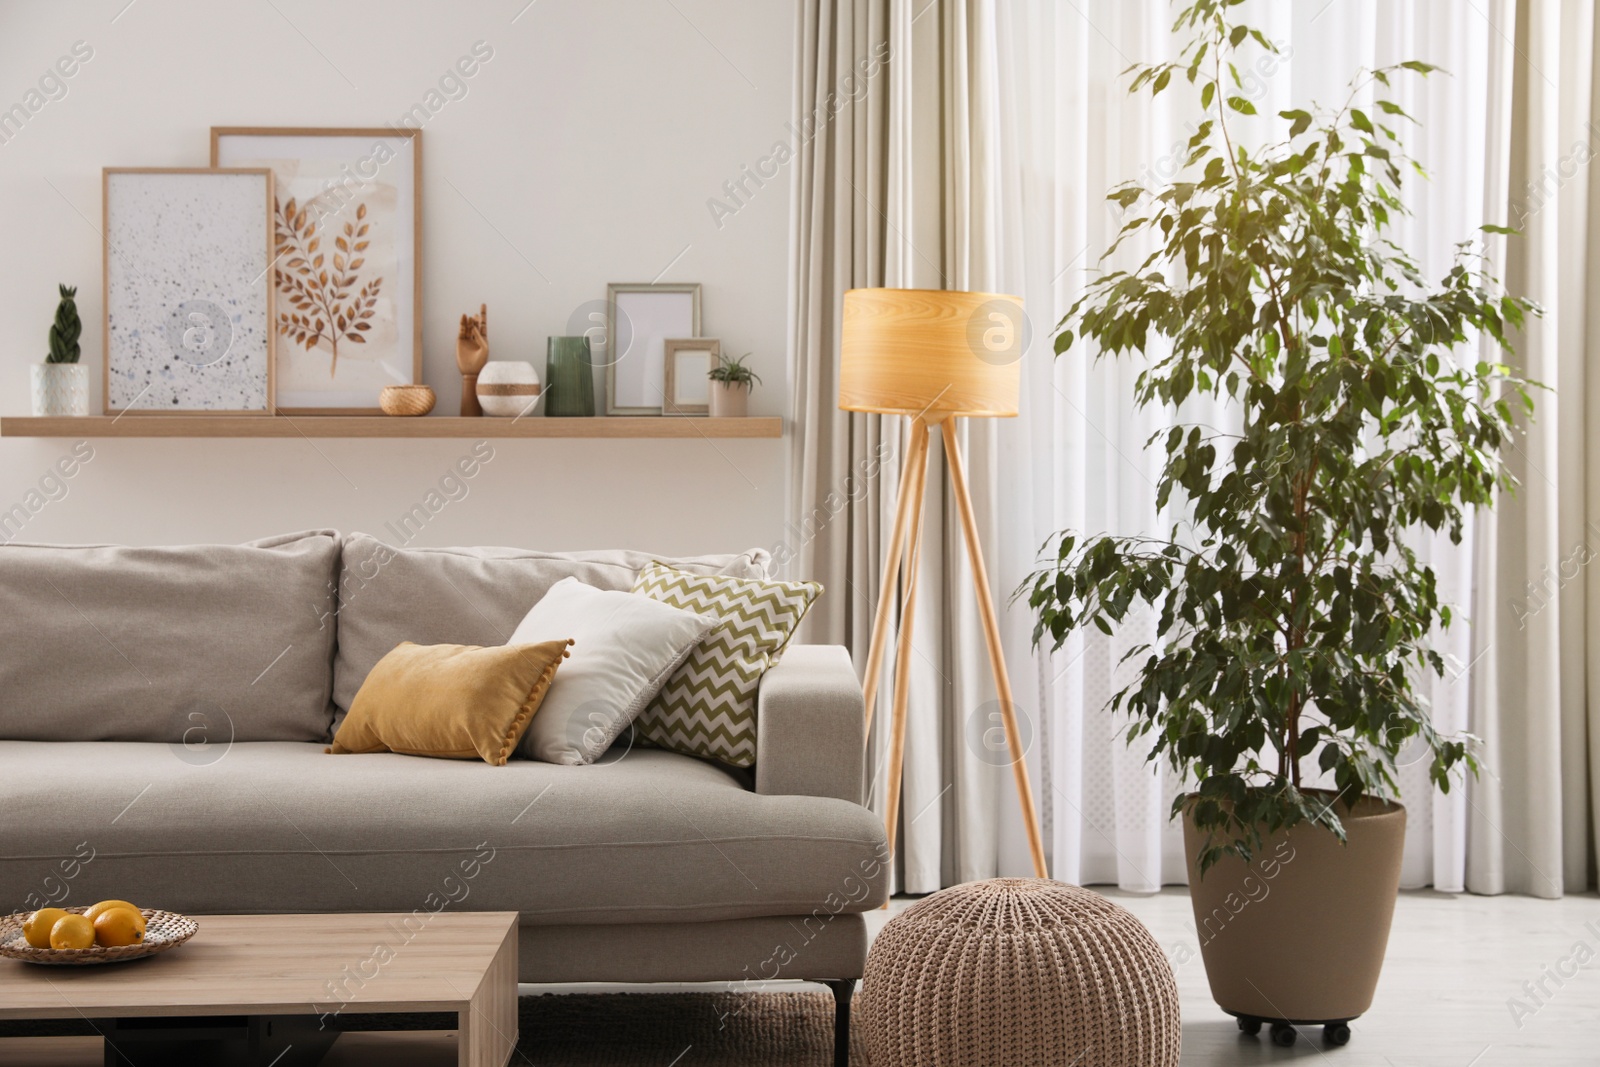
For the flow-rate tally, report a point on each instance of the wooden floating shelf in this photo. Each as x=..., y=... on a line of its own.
x=317, y=426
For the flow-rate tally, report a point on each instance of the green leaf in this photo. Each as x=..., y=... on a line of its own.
x=1241, y=105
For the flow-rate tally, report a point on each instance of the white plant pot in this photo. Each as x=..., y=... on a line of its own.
x=60, y=389
x=508, y=388
x=729, y=400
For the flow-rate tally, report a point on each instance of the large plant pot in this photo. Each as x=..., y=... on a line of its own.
x=1300, y=932
x=60, y=389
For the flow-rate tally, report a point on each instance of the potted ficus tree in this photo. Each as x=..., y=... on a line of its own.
x=1293, y=615
x=60, y=383
x=731, y=382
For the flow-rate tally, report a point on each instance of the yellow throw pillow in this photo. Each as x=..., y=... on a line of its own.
x=455, y=701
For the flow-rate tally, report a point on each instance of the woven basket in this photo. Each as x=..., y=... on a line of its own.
x=406, y=399
x=163, y=930
x=1018, y=971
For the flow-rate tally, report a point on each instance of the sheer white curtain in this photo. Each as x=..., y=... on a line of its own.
x=1077, y=455
x=1533, y=815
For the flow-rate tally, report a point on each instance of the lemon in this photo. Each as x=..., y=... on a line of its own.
x=72, y=931
x=97, y=910
x=116, y=927
x=37, y=927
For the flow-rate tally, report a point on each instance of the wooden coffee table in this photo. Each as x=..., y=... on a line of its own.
x=269, y=989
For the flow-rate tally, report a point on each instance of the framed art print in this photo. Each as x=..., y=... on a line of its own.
x=188, y=291
x=641, y=317
x=686, y=366
x=347, y=230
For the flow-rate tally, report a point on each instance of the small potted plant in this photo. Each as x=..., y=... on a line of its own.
x=731, y=382
x=60, y=384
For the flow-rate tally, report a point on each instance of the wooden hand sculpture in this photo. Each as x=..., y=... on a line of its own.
x=472, y=352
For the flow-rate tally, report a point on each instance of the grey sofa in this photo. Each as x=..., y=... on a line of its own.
x=163, y=718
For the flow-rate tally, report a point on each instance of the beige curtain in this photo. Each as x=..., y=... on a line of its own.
x=1532, y=818
x=897, y=189
x=838, y=471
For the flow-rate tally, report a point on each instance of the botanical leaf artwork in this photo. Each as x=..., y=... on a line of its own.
x=318, y=281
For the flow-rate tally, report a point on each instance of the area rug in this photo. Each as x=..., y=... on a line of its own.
x=681, y=1029
x=633, y=1030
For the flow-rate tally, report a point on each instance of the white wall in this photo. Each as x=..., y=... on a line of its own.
x=584, y=150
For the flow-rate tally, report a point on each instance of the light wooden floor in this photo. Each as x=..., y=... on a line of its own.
x=1454, y=964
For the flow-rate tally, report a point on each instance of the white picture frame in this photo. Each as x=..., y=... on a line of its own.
x=640, y=318
x=339, y=345
x=188, y=298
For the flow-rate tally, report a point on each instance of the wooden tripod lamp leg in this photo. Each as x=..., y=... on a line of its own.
x=991, y=630
x=916, y=459
x=903, y=651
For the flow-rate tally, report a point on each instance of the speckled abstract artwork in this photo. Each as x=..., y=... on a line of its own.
x=188, y=292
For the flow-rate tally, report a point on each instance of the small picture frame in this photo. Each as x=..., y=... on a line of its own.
x=686, y=365
x=639, y=319
x=188, y=302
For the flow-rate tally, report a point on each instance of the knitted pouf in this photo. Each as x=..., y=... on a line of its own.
x=1018, y=971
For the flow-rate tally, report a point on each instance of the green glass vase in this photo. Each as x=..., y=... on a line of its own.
x=569, y=378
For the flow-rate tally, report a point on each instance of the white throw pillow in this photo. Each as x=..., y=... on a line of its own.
x=624, y=647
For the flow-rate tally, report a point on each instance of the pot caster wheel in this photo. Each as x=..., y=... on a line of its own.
x=1283, y=1035
x=1249, y=1025
x=1336, y=1034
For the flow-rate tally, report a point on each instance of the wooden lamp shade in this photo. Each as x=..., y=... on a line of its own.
x=931, y=352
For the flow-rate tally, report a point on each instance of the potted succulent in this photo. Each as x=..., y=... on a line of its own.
x=731, y=382
x=1293, y=615
x=60, y=383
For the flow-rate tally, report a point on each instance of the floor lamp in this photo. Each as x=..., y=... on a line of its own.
x=934, y=356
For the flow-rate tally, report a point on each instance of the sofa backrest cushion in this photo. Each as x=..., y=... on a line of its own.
x=470, y=596
x=193, y=645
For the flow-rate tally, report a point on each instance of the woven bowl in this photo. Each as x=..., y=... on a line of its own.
x=163, y=930
x=406, y=399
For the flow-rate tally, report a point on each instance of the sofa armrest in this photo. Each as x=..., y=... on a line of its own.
x=810, y=725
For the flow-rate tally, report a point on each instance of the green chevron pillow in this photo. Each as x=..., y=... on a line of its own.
x=708, y=707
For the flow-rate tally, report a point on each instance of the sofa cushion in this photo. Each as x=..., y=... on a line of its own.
x=180, y=644
x=469, y=596
x=708, y=707
x=450, y=701
x=623, y=647
x=270, y=827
